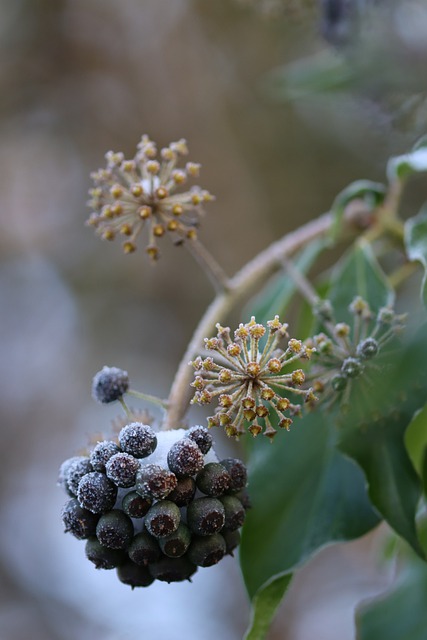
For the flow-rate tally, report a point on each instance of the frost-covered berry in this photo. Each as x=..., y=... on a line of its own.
x=64, y=470
x=163, y=518
x=101, y=454
x=237, y=472
x=102, y=557
x=152, y=481
x=213, y=479
x=109, y=384
x=144, y=549
x=351, y=367
x=205, y=516
x=122, y=469
x=76, y=471
x=338, y=382
x=134, y=505
x=78, y=521
x=96, y=492
x=172, y=569
x=185, y=458
x=138, y=439
x=134, y=575
x=208, y=550
x=184, y=492
x=176, y=544
x=114, y=530
x=202, y=437
x=234, y=512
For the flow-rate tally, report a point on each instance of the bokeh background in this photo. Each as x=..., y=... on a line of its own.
x=79, y=77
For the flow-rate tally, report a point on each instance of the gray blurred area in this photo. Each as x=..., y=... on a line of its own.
x=80, y=77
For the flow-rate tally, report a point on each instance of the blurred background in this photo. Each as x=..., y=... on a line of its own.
x=284, y=103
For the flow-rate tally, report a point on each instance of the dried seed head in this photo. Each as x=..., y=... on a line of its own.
x=250, y=386
x=109, y=384
x=146, y=191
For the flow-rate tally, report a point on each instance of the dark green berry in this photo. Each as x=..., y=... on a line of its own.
x=102, y=557
x=184, y=492
x=232, y=540
x=351, y=367
x=122, y=469
x=208, y=550
x=213, y=479
x=234, y=512
x=134, y=575
x=185, y=458
x=138, y=439
x=109, y=384
x=202, y=437
x=144, y=549
x=367, y=348
x=96, y=492
x=102, y=453
x=115, y=530
x=338, y=382
x=244, y=498
x=205, y=516
x=163, y=518
x=176, y=544
x=172, y=569
x=78, y=521
x=76, y=471
x=134, y=505
x=152, y=481
x=237, y=472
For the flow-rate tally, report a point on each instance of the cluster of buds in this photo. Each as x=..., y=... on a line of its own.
x=250, y=383
x=344, y=353
x=145, y=192
x=154, y=506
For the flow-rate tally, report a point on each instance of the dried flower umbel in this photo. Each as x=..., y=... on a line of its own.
x=250, y=383
x=130, y=195
x=344, y=353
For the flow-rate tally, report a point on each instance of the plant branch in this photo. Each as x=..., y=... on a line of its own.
x=258, y=270
x=209, y=265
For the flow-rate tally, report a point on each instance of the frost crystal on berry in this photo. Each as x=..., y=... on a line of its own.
x=109, y=384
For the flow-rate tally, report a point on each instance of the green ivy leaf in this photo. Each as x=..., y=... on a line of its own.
x=416, y=439
x=416, y=244
x=403, y=166
x=399, y=614
x=275, y=297
x=305, y=494
x=358, y=274
x=372, y=193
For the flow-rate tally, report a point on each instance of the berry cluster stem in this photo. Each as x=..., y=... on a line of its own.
x=256, y=271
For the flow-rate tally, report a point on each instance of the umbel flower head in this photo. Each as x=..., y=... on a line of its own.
x=344, y=353
x=248, y=383
x=155, y=506
x=146, y=192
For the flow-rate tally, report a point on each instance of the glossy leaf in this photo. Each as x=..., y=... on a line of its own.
x=358, y=274
x=264, y=606
x=276, y=295
x=401, y=613
x=304, y=494
x=405, y=165
x=371, y=193
x=416, y=244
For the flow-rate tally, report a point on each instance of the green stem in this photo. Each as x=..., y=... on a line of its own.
x=148, y=398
